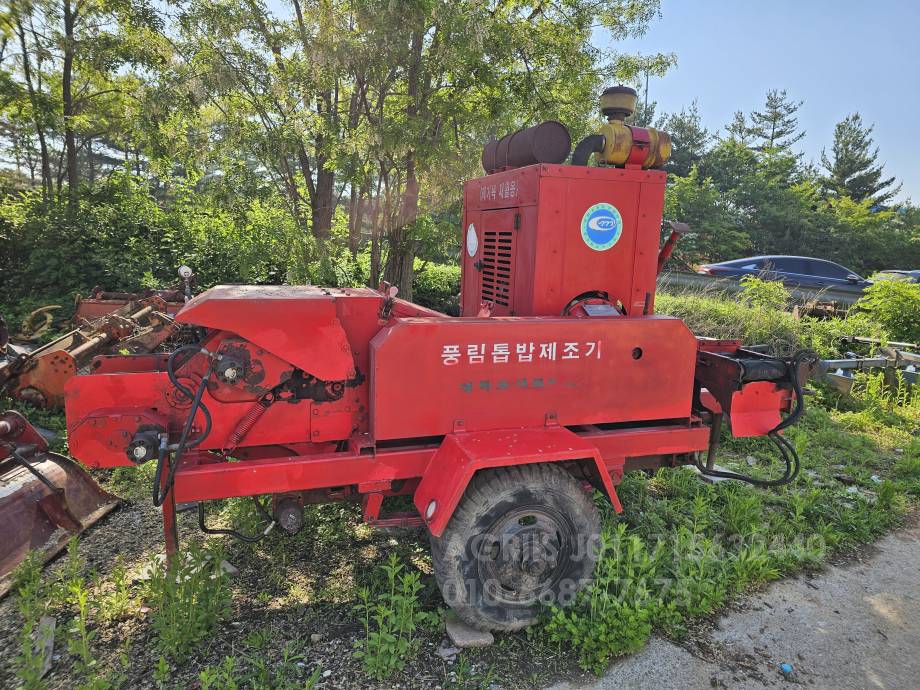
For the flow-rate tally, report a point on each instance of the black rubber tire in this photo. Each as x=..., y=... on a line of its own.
x=537, y=514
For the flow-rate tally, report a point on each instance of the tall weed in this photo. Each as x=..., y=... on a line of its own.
x=188, y=598
x=390, y=615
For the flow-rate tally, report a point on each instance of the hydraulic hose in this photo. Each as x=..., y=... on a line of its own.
x=793, y=372
x=160, y=493
x=786, y=449
x=790, y=458
x=248, y=538
x=171, y=373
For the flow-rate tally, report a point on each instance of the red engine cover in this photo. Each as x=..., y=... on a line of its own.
x=537, y=237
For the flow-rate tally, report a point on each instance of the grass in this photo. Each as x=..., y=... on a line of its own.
x=250, y=671
x=188, y=598
x=682, y=547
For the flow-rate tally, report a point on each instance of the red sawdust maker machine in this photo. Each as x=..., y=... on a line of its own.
x=557, y=378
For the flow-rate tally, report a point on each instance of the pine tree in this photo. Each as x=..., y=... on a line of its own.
x=644, y=113
x=852, y=169
x=738, y=129
x=776, y=126
x=689, y=138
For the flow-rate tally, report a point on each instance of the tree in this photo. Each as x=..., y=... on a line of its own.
x=738, y=129
x=852, y=169
x=715, y=231
x=776, y=126
x=359, y=118
x=387, y=104
x=775, y=204
x=71, y=73
x=689, y=139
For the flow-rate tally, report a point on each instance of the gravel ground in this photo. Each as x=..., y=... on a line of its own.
x=856, y=625
x=296, y=591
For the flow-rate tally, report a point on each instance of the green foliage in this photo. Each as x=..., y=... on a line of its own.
x=713, y=317
x=763, y=294
x=116, y=234
x=437, y=286
x=689, y=140
x=117, y=601
x=187, y=599
x=611, y=617
x=776, y=126
x=767, y=198
x=895, y=305
x=31, y=602
x=682, y=548
x=716, y=316
x=714, y=235
x=390, y=616
x=252, y=671
x=78, y=597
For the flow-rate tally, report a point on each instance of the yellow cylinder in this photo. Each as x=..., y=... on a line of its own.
x=620, y=143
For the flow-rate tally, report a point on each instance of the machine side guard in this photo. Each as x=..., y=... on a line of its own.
x=461, y=455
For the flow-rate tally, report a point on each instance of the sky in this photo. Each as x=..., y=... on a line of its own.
x=839, y=56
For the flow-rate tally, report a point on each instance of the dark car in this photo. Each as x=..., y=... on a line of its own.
x=800, y=271
x=894, y=274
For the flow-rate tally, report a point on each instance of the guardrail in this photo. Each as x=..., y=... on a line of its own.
x=703, y=282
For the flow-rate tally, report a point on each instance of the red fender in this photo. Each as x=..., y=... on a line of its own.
x=461, y=455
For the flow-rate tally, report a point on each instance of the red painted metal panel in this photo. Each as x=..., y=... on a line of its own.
x=89, y=309
x=104, y=411
x=430, y=376
x=647, y=441
x=648, y=234
x=497, y=259
x=214, y=480
x=756, y=408
x=297, y=323
x=508, y=189
x=299, y=473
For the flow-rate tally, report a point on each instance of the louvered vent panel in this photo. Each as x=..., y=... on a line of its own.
x=497, y=253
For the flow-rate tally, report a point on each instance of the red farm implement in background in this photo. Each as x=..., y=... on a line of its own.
x=38, y=376
x=557, y=378
x=101, y=302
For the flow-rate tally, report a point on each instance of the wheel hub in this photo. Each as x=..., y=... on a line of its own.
x=522, y=554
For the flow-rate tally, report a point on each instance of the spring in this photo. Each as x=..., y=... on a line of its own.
x=245, y=425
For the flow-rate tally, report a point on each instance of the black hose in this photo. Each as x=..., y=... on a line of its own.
x=171, y=373
x=160, y=493
x=790, y=457
x=251, y=539
x=594, y=143
x=793, y=372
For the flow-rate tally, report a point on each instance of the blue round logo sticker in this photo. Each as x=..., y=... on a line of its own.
x=601, y=226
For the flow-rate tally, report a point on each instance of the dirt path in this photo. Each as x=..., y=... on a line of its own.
x=853, y=626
